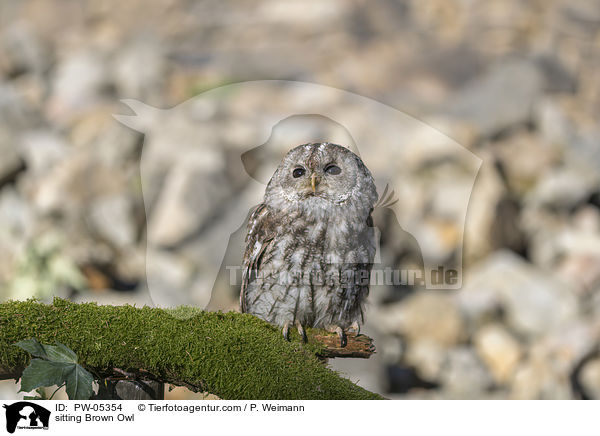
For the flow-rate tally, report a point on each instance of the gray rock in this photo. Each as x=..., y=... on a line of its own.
x=16, y=217
x=427, y=357
x=42, y=149
x=590, y=378
x=78, y=82
x=426, y=315
x=114, y=298
x=534, y=301
x=190, y=197
x=23, y=50
x=16, y=227
x=168, y=277
x=488, y=191
x=10, y=162
x=540, y=377
x=585, y=147
x=502, y=98
x=464, y=376
x=551, y=120
x=14, y=110
x=499, y=350
x=525, y=159
x=112, y=217
x=139, y=69
x=565, y=187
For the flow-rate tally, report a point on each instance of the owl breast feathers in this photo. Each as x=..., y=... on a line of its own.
x=310, y=244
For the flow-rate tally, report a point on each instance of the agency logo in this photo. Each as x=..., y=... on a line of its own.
x=26, y=415
x=205, y=164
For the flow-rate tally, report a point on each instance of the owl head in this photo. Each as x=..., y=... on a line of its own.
x=321, y=177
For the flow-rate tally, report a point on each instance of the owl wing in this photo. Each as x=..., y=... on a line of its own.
x=259, y=238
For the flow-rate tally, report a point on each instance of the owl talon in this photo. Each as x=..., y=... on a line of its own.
x=355, y=327
x=286, y=330
x=341, y=334
x=301, y=331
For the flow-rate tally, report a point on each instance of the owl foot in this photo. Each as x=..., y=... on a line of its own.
x=286, y=330
x=301, y=331
x=340, y=332
x=355, y=327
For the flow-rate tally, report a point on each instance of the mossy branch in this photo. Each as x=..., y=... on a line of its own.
x=232, y=355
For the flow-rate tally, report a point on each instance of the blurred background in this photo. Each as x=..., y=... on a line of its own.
x=92, y=210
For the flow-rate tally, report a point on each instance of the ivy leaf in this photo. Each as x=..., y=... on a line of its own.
x=33, y=347
x=56, y=365
x=44, y=373
x=41, y=395
x=55, y=353
x=60, y=353
x=79, y=384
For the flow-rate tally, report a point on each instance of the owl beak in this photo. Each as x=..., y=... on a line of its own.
x=314, y=181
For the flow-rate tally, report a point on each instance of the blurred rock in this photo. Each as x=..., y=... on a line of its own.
x=536, y=378
x=590, y=378
x=189, y=198
x=168, y=278
x=112, y=217
x=10, y=163
x=464, y=376
x=14, y=110
x=42, y=149
x=499, y=350
x=525, y=159
x=547, y=367
x=427, y=357
x=139, y=69
x=487, y=193
x=22, y=51
x=512, y=85
x=16, y=227
x=534, y=302
x=113, y=298
x=552, y=122
x=581, y=270
x=79, y=80
x=502, y=98
x=425, y=315
x=565, y=187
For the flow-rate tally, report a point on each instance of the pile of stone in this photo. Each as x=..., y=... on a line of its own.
x=481, y=116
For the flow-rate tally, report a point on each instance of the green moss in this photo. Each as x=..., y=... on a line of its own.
x=233, y=355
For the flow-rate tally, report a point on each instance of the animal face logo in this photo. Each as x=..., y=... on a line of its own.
x=205, y=164
x=26, y=415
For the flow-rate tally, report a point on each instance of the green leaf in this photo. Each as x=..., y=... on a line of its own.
x=60, y=353
x=57, y=366
x=55, y=353
x=42, y=393
x=33, y=347
x=44, y=373
x=79, y=384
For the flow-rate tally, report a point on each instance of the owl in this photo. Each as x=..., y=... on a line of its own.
x=310, y=244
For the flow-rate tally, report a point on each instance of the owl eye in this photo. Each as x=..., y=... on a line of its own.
x=334, y=170
x=298, y=172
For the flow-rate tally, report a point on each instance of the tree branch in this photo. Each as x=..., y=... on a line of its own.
x=232, y=355
x=357, y=346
